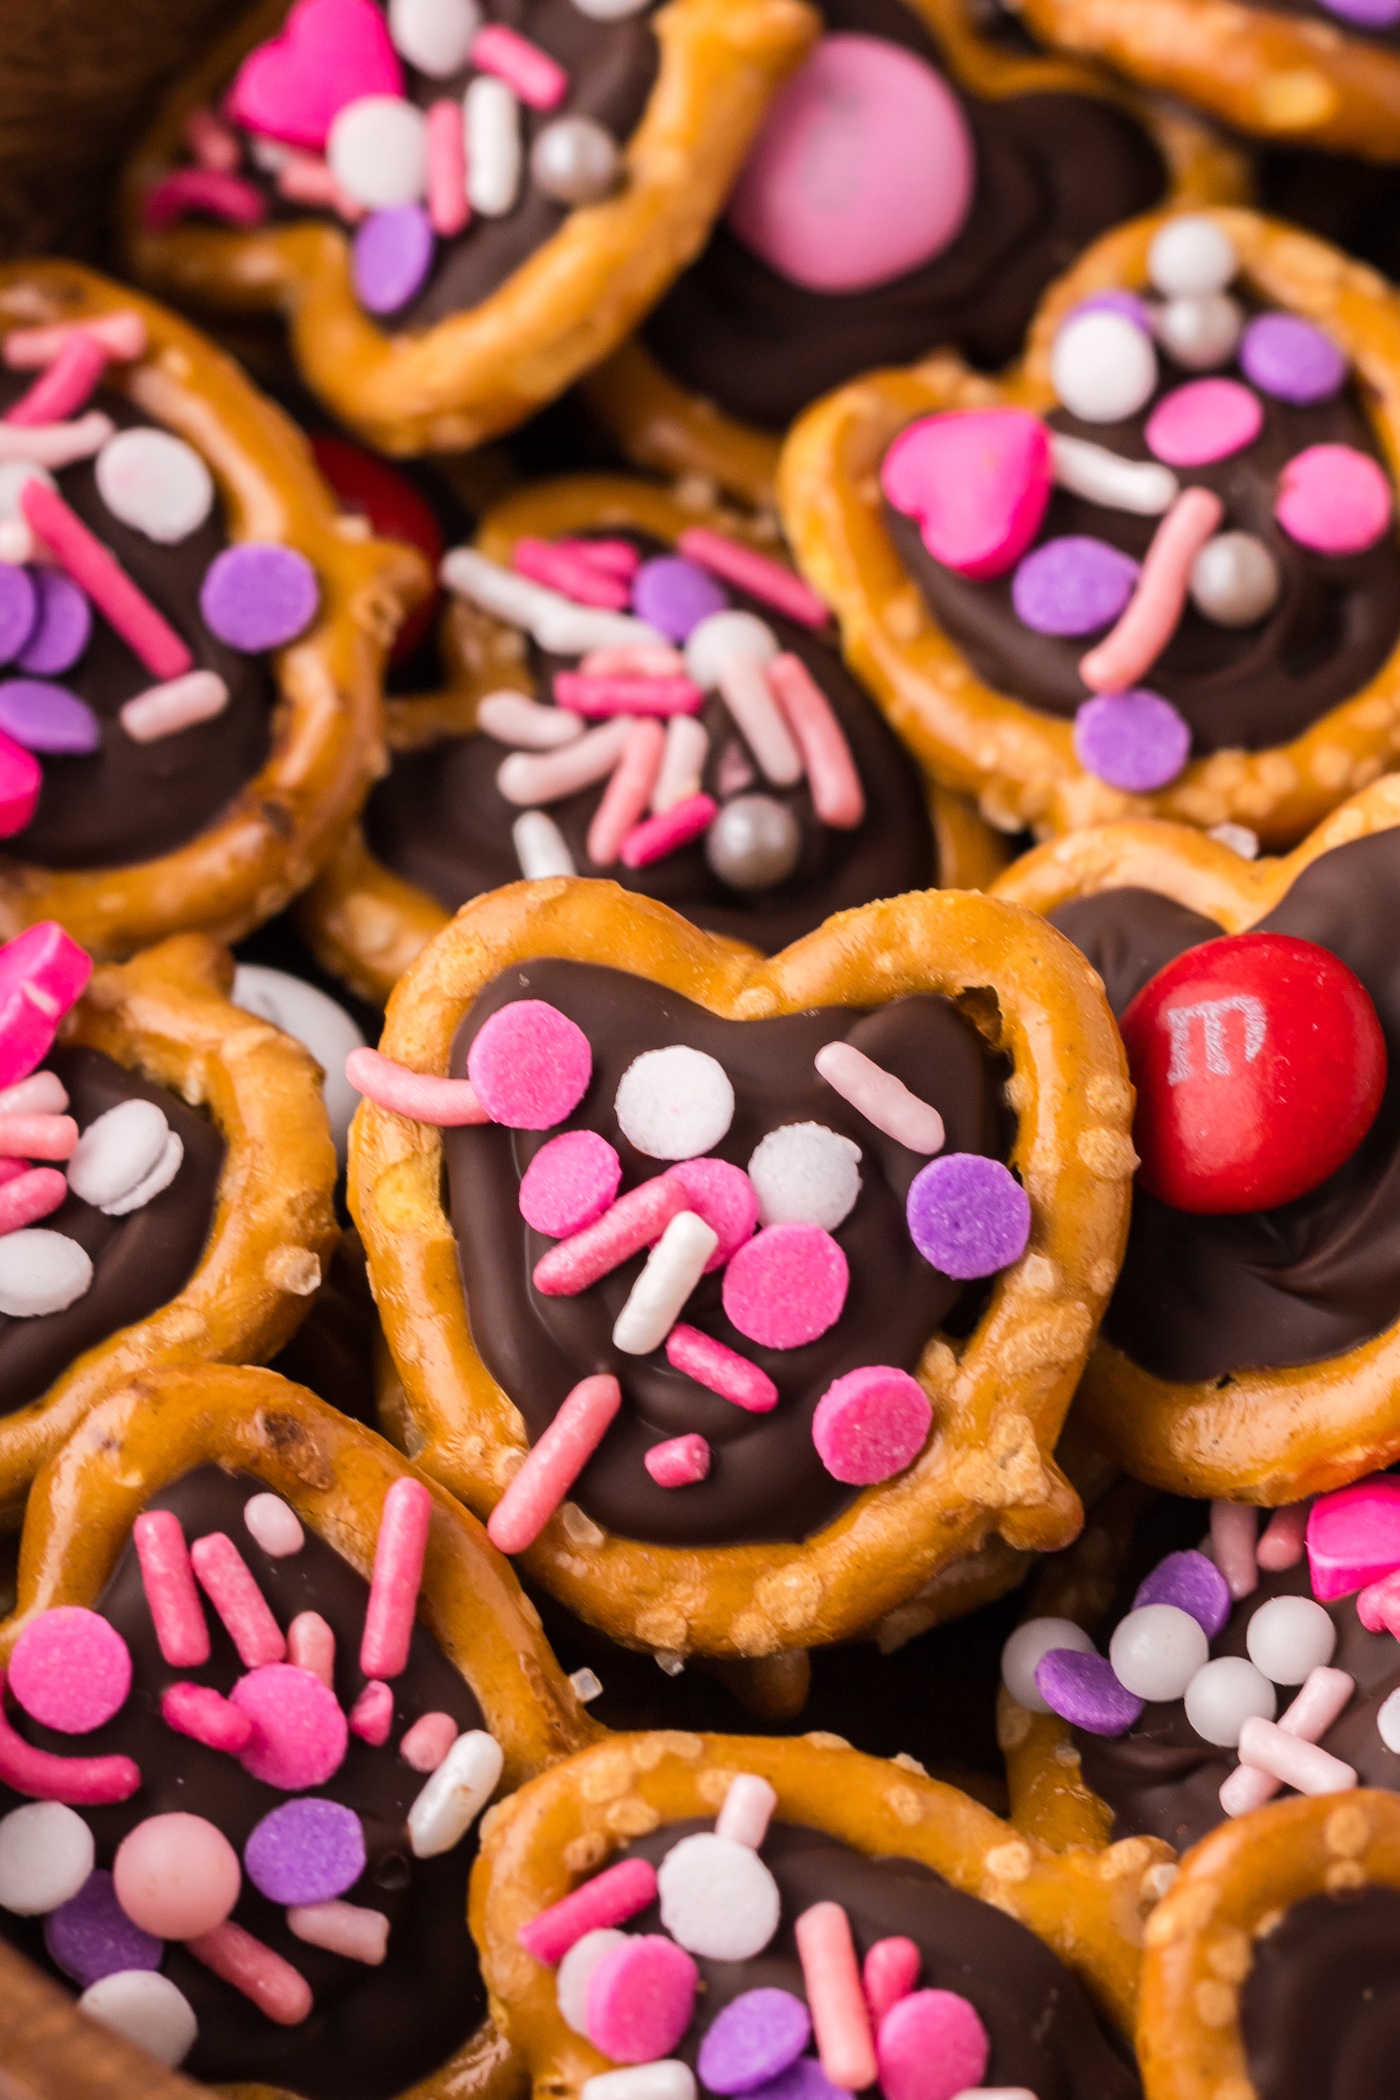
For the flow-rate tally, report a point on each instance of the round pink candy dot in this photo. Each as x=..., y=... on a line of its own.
x=871, y=1424
x=1333, y=499
x=640, y=1999
x=569, y=1182
x=1206, y=420
x=176, y=1876
x=724, y=1197
x=786, y=1286
x=931, y=2045
x=530, y=1065
x=71, y=1670
x=300, y=1734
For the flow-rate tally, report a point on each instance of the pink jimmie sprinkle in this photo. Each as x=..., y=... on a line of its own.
x=32, y=1194
x=1378, y=1606
x=627, y=794
x=890, y=1973
x=1233, y=1526
x=341, y=1928
x=222, y=196
x=583, y=694
x=1125, y=655
x=36, y=1135
x=304, y=178
x=20, y=781
x=83, y=1782
x=422, y=1096
x=840, y=2021
x=171, y=1597
x=613, y=557
x=447, y=169
x=280, y=1992
x=311, y=1646
x=427, y=1742
x=665, y=834
x=199, y=1711
x=545, y=563
x=837, y=795
x=679, y=1462
x=761, y=577
x=398, y=1576
x=723, y=1370
x=372, y=1715
x=554, y=1464
x=229, y=1584
x=66, y=386
x=610, y=1899
x=1321, y=1701
x=725, y=1198
x=646, y=660
x=211, y=142
x=537, y=80
x=1281, y=1544
x=633, y=1222
x=96, y=570
x=122, y=335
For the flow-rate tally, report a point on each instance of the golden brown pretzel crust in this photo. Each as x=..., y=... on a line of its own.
x=1018, y=761
x=999, y=1397
x=167, y=1015
x=326, y=749
x=486, y=369
x=335, y=1475
x=1278, y=76
x=1268, y=1436
x=367, y=924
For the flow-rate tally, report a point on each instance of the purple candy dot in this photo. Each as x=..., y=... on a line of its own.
x=804, y=2080
x=753, y=2040
x=62, y=624
x=675, y=596
x=1193, y=1583
x=90, y=1936
x=392, y=255
x=968, y=1216
x=46, y=717
x=1291, y=359
x=19, y=605
x=1366, y=14
x=1135, y=741
x=1127, y=304
x=258, y=595
x=306, y=1851
x=1073, y=585
x=1084, y=1690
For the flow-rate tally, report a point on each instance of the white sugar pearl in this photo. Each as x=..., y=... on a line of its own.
x=320, y=1024
x=455, y=1794
x=1289, y=1636
x=434, y=35
x=718, y=1899
x=668, y=2079
x=41, y=1272
x=378, y=151
x=575, y=160
x=575, y=1972
x=1223, y=1695
x=275, y=1525
x=491, y=115
x=146, y=2008
x=1103, y=367
x=117, y=1152
x=1157, y=1650
x=805, y=1174
x=674, y=1103
x=13, y=475
x=156, y=483
x=1200, y=332
x=1388, y=1722
x=754, y=842
x=1234, y=580
x=1191, y=255
x=160, y=1177
x=1028, y=1646
x=46, y=1854
x=727, y=634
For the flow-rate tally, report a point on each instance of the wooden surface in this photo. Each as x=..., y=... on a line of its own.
x=48, y=2051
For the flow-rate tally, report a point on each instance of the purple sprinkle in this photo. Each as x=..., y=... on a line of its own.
x=306, y=1851
x=19, y=603
x=90, y=1936
x=1366, y=14
x=62, y=625
x=753, y=2040
x=1127, y=304
x=1192, y=1582
x=46, y=717
x=804, y=2080
x=1291, y=359
x=1073, y=585
x=1084, y=1690
x=968, y=1216
x=1135, y=741
x=675, y=596
x=259, y=595
x=393, y=253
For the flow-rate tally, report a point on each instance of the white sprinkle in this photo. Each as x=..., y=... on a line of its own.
x=587, y=1684
x=540, y=846
x=55, y=444
x=748, y=1808
x=609, y=10
x=319, y=1023
x=347, y=1929
x=1103, y=367
x=1191, y=255
x=527, y=778
x=674, y=1103
x=682, y=763
x=1226, y=1693
x=722, y=635
x=1323, y=1699
x=511, y=718
x=156, y=483
x=377, y=150
x=1200, y=332
x=744, y=689
x=1101, y=476
x=275, y=1525
x=162, y=710
x=41, y=1272
x=434, y=35
x=46, y=1854
x=718, y=1899
x=117, y=1151
x=575, y=1972
x=491, y=113
x=1028, y=1647
x=1238, y=837
x=669, y=1275
x=556, y=622
x=667, y=2079
x=805, y=1174
x=1388, y=1721
x=42, y=1094
x=146, y=2008
x=455, y=1794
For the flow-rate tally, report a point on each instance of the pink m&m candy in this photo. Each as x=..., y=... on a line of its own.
x=1333, y=499
x=976, y=481
x=71, y=1669
x=786, y=1286
x=530, y=1065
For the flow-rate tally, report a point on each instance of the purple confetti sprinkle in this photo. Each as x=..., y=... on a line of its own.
x=675, y=596
x=968, y=1216
x=1365, y=14
x=1073, y=585
x=392, y=255
x=1127, y=304
x=753, y=2040
x=804, y=2080
x=1192, y=1582
x=62, y=625
x=306, y=1851
x=90, y=1936
x=1084, y=1690
x=46, y=717
x=1292, y=360
x=1136, y=741
x=19, y=605
x=259, y=595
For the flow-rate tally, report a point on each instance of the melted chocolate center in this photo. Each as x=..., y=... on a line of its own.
x=1320, y=2009
x=766, y=1480
x=372, y=2031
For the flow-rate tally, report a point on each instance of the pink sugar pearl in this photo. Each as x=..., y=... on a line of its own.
x=530, y=1065
x=786, y=1286
x=569, y=1182
x=176, y=1876
x=300, y=1734
x=71, y=1670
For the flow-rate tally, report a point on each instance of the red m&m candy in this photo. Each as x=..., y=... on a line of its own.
x=1259, y=1065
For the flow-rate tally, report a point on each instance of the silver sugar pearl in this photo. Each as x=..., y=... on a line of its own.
x=753, y=843
x=1235, y=580
x=575, y=161
x=1201, y=332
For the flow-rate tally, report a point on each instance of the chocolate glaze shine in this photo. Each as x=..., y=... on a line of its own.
x=766, y=1481
x=373, y=2031
x=1320, y=2008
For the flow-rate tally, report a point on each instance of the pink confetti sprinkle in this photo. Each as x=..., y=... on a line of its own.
x=679, y=1462
x=1322, y=1699
x=1233, y=1526
x=871, y=1424
x=537, y=80
x=786, y=1286
x=1281, y=1545
x=372, y=1715
x=70, y=1670
x=280, y=1992
x=932, y=2045
x=424, y=1097
x=561, y=571
x=627, y=794
x=171, y=1596
x=311, y=1646
x=36, y=1192
x=42, y=974
x=64, y=386
x=1206, y=420
x=569, y=1182
x=835, y=1998
x=890, y=1972
x=427, y=1742
x=633, y=1222
x=1153, y=612
x=212, y=144
x=197, y=1710
x=657, y=837
x=83, y=1782
x=640, y=1999
x=163, y=710
x=609, y=1899
x=222, y=196
x=837, y=794
x=1334, y=500
x=398, y=1575
x=38, y=1136
x=762, y=578
x=584, y=694
x=725, y=1198
x=229, y=1584
x=553, y=1465
x=96, y=570
x=122, y=335
x=530, y=1065
x=613, y=557
x=1353, y=1538
x=448, y=208
x=722, y=1370
x=20, y=780
x=300, y=1735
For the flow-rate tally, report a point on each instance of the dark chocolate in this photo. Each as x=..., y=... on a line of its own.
x=1320, y=2008
x=766, y=1481
x=1354, y=204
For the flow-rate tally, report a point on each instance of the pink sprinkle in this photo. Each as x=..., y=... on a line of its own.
x=210, y=141
x=837, y=794
x=122, y=335
x=34, y=1193
x=64, y=386
x=884, y=1101
x=70, y=1670
x=890, y=1973
x=347, y=1929
x=761, y=577
x=640, y=1999
x=871, y=1424
x=835, y=1998
x=569, y=1182
x=38, y=1136
x=311, y=1646
x=613, y=557
x=627, y=794
x=1353, y=1537
x=447, y=169
x=228, y=1583
x=96, y=570
x=1287, y=1758
x=554, y=1464
x=1126, y=653
x=304, y=178
x=586, y=695
x=427, y=1742
x=646, y=660
x=1281, y=1545
x=49, y=445
x=633, y=1222
x=421, y=1096
x=178, y=704
x=398, y=1576
x=1334, y=500
x=83, y=1782
x=222, y=196
x=932, y=2046
x=723, y=1370
x=1378, y=1606
x=537, y=80
x=658, y=836
x=199, y=1711
x=786, y=1286
x=11, y=1169
x=545, y=563
x=171, y=1597
x=1233, y=1526
x=725, y=1198
x=608, y=1900
x=1322, y=1700
x=20, y=781
x=1206, y=420
x=280, y=1992
x=42, y=973
x=299, y=1734
x=530, y=1065
x=679, y=1462
x=372, y=1715
x=746, y=1811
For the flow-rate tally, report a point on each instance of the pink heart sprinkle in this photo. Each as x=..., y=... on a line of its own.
x=977, y=481
x=330, y=52
x=1353, y=1538
x=42, y=973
